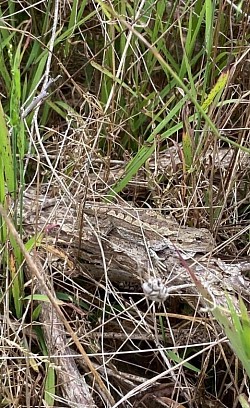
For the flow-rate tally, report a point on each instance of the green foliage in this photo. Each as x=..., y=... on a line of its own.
x=50, y=375
x=243, y=401
x=50, y=386
x=6, y=162
x=237, y=329
x=236, y=326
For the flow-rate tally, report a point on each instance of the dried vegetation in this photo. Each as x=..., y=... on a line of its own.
x=118, y=124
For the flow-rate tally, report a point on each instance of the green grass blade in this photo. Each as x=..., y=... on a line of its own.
x=50, y=386
x=6, y=154
x=173, y=356
x=50, y=377
x=209, y=25
x=106, y=72
x=236, y=332
x=217, y=90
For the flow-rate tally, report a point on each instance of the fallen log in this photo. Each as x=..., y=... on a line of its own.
x=128, y=245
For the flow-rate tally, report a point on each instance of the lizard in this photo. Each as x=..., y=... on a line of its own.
x=156, y=233
x=130, y=231
x=153, y=228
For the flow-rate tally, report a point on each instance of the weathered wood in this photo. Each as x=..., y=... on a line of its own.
x=130, y=245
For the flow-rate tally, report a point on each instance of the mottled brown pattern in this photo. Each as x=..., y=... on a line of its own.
x=132, y=245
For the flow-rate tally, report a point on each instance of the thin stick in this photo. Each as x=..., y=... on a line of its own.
x=35, y=271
